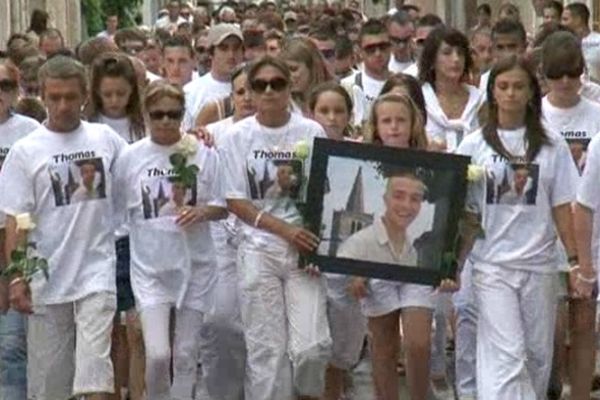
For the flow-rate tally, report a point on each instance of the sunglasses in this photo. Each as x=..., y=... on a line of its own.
x=159, y=115
x=8, y=85
x=396, y=41
x=328, y=54
x=372, y=48
x=419, y=42
x=555, y=75
x=260, y=85
x=201, y=50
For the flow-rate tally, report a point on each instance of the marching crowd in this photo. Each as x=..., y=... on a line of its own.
x=155, y=173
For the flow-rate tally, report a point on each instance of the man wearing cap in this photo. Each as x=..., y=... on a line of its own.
x=225, y=43
x=290, y=19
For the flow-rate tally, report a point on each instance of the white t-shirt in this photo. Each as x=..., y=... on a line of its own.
x=166, y=23
x=261, y=166
x=41, y=174
x=577, y=124
x=14, y=128
x=590, y=45
x=452, y=131
x=363, y=95
x=200, y=92
x=162, y=253
x=516, y=199
x=412, y=70
x=588, y=193
x=396, y=66
x=120, y=125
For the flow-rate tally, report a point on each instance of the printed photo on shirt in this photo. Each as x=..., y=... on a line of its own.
x=513, y=184
x=270, y=179
x=164, y=197
x=579, y=151
x=383, y=212
x=3, y=154
x=75, y=180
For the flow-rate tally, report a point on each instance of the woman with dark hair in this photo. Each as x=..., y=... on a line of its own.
x=452, y=105
x=523, y=201
x=266, y=159
x=576, y=119
x=307, y=69
x=115, y=96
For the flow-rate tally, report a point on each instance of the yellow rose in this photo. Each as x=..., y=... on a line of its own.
x=475, y=173
x=24, y=222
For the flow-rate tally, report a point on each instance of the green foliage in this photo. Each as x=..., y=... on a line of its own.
x=95, y=12
x=26, y=264
x=185, y=174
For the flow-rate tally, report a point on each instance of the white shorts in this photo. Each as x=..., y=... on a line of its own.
x=69, y=348
x=384, y=296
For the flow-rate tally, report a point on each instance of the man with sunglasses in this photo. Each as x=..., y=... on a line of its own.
x=225, y=44
x=323, y=37
x=424, y=27
x=365, y=85
x=401, y=30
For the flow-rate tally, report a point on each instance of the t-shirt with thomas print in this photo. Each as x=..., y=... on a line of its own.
x=261, y=166
x=516, y=199
x=163, y=253
x=42, y=176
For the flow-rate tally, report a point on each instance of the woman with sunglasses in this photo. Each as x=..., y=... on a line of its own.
x=172, y=252
x=576, y=119
x=308, y=69
x=523, y=202
x=452, y=105
x=283, y=308
x=13, y=354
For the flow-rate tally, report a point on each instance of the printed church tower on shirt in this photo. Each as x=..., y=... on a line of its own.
x=351, y=219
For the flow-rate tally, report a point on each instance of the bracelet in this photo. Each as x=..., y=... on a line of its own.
x=586, y=280
x=574, y=268
x=16, y=280
x=258, y=217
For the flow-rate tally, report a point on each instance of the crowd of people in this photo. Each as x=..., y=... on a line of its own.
x=164, y=169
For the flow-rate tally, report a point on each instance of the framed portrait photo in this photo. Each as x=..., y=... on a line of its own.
x=384, y=213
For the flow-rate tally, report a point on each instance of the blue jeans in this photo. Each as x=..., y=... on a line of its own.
x=13, y=356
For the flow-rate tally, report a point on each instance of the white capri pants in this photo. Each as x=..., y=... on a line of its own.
x=284, y=312
x=69, y=348
x=515, y=332
x=155, y=326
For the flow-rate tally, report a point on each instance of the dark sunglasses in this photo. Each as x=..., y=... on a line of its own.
x=372, y=48
x=260, y=85
x=159, y=115
x=559, y=73
x=201, y=50
x=8, y=85
x=396, y=41
x=328, y=54
x=419, y=42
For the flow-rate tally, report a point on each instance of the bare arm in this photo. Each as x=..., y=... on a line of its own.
x=563, y=219
x=583, y=221
x=13, y=238
x=304, y=240
x=470, y=229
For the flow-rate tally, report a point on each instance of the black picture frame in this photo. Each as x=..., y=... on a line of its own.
x=447, y=186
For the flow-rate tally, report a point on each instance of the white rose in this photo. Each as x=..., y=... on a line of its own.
x=24, y=222
x=475, y=173
x=187, y=145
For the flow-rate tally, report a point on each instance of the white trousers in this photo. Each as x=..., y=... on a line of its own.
x=515, y=332
x=155, y=327
x=443, y=308
x=222, y=345
x=284, y=312
x=466, y=335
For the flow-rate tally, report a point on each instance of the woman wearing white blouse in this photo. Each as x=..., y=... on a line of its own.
x=514, y=265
